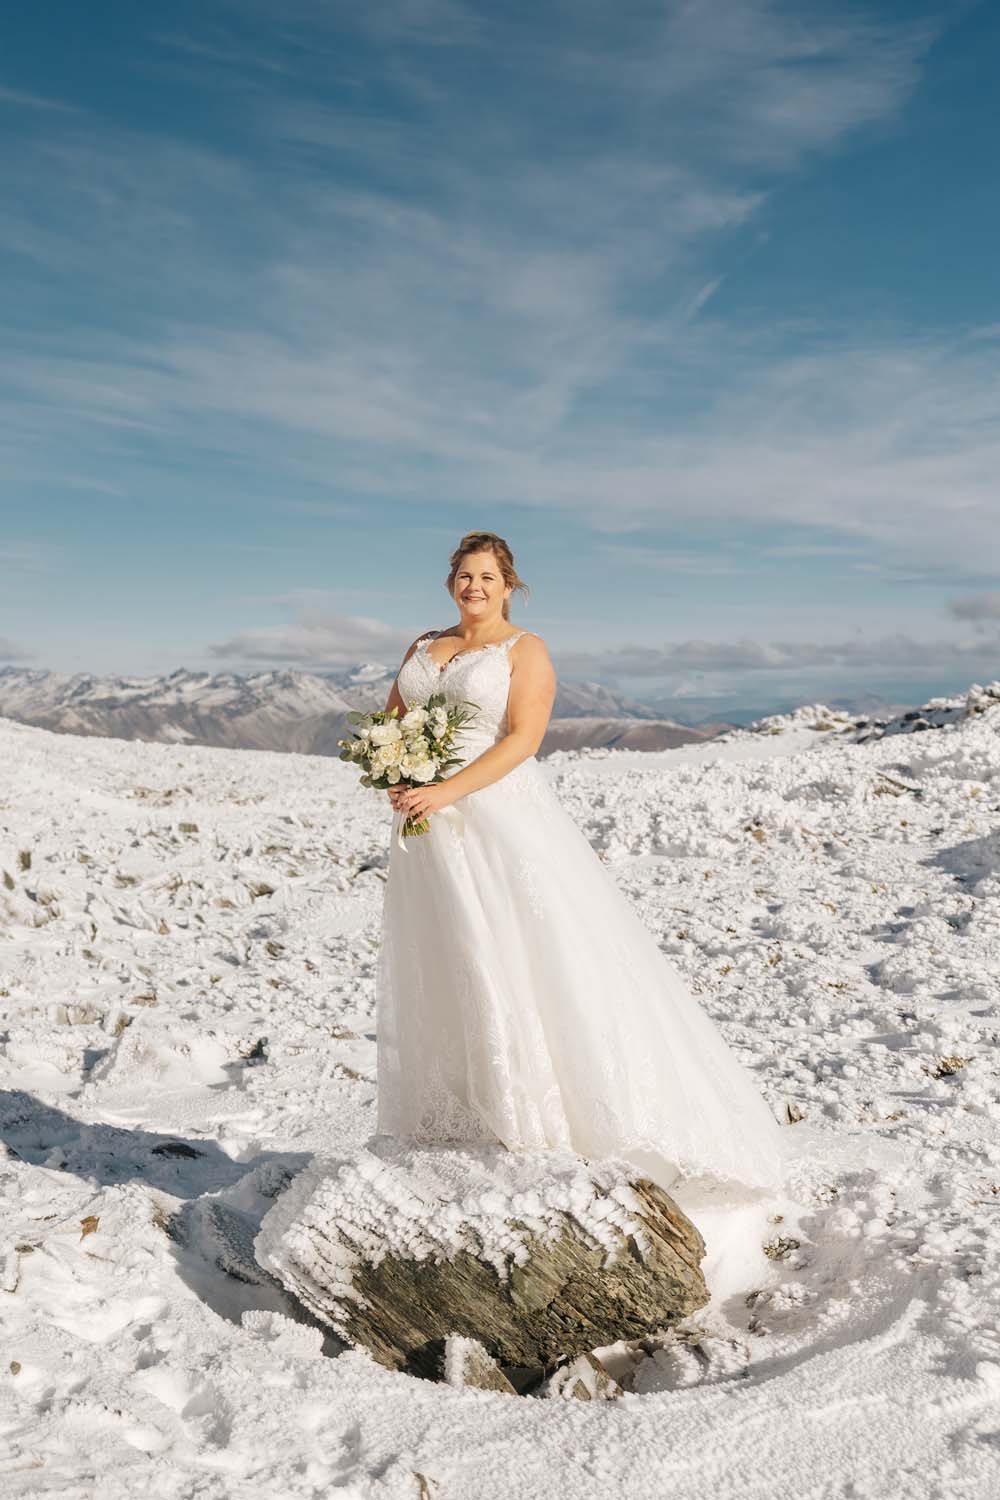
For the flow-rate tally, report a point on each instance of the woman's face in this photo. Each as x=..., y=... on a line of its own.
x=479, y=588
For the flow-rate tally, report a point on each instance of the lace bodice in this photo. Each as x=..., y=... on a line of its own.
x=480, y=676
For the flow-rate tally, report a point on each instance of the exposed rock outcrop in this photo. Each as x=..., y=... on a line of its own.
x=539, y=1257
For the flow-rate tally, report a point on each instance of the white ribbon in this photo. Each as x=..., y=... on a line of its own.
x=451, y=815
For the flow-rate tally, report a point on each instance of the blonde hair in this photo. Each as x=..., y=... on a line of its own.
x=487, y=541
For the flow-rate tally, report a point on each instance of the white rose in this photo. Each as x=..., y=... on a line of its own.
x=416, y=766
x=416, y=718
x=385, y=734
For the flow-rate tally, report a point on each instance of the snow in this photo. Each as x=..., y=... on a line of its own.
x=736, y=746
x=187, y=955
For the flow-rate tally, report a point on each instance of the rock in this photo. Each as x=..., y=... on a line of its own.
x=466, y=1363
x=539, y=1256
x=780, y=1247
x=584, y=1379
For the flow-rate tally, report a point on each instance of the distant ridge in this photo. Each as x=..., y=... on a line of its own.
x=290, y=710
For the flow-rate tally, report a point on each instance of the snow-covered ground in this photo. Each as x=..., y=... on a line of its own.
x=187, y=947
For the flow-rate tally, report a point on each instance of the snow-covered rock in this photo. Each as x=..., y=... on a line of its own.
x=466, y=1363
x=936, y=713
x=539, y=1255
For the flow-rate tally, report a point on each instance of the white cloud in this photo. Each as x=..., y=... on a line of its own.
x=767, y=82
x=897, y=655
x=35, y=101
x=475, y=320
x=317, y=641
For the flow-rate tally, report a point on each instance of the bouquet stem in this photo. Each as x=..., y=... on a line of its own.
x=414, y=825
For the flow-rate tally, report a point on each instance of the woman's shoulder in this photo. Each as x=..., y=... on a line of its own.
x=530, y=651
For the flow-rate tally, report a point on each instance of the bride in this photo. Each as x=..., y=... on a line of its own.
x=520, y=999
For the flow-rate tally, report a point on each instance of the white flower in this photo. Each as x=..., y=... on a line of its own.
x=385, y=734
x=417, y=748
x=416, y=766
x=388, y=755
x=416, y=718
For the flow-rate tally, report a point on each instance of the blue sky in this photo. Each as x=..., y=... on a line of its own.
x=694, y=303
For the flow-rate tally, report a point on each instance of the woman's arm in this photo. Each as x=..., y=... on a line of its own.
x=529, y=706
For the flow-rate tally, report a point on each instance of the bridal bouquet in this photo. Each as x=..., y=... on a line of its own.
x=413, y=750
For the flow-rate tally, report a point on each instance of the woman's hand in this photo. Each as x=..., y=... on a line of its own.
x=421, y=801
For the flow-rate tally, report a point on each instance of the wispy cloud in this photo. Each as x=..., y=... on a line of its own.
x=899, y=447
x=316, y=641
x=498, y=308
x=439, y=250
x=319, y=639
x=35, y=101
x=897, y=655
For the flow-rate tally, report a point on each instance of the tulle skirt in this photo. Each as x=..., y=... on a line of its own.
x=521, y=999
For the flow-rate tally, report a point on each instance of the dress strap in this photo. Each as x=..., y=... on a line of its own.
x=511, y=639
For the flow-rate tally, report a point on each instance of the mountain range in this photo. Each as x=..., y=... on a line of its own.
x=294, y=711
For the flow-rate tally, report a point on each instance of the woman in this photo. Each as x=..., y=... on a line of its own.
x=520, y=999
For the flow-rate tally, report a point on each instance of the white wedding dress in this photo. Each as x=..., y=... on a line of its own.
x=521, y=1000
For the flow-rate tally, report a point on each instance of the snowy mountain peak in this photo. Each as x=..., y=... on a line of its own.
x=369, y=671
